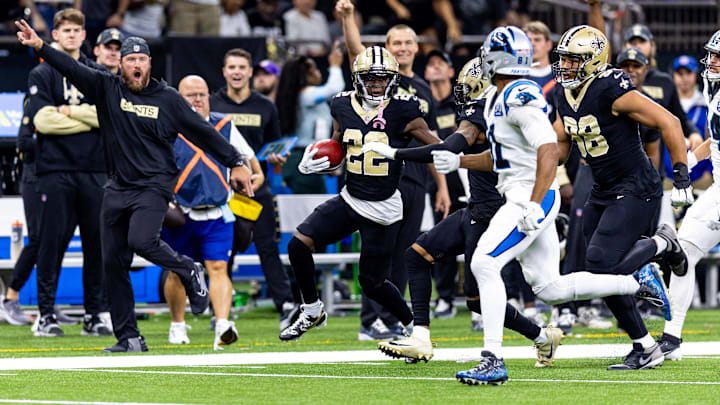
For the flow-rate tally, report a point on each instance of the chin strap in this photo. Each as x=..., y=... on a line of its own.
x=379, y=122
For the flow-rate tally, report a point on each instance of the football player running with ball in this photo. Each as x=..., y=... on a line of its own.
x=370, y=201
x=523, y=152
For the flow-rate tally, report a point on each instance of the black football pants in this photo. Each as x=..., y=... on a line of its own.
x=67, y=200
x=26, y=262
x=413, y=196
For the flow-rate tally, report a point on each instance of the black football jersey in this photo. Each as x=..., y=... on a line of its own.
x=482, y=183
x=610, y=144
x=370, y=176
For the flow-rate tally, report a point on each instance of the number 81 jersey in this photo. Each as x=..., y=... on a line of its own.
x=372, y=177
x=609, y=143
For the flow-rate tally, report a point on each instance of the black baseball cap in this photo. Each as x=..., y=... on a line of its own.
x=440, y=54
x=638, y=30
x=110, y=35
x=134, y=45
x=632, y=54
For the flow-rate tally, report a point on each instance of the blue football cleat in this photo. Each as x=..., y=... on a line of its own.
x=653, y=289
x=490, y=370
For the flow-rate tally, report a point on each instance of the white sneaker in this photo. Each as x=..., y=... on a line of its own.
x=106, y=319
x=178, y=334
x=444, y=310
x=589, y=317
x=225, y=334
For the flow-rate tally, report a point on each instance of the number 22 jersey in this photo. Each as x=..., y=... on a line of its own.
x=372, y=177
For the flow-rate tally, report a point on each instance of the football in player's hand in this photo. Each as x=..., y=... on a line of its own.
x=330, y=148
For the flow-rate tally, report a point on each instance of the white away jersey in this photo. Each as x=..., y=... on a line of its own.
x=713, y=119
x=517, y=126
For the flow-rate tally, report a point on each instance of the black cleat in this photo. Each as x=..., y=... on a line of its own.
x=303, y=324
x=640, y=359
x=670, y=346
x=674, y=255
x=47, y=326
x=132, y=345
x=196, y=290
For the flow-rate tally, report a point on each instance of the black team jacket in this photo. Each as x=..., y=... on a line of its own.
x=139, y=129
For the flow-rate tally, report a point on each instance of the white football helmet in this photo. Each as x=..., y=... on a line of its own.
x=506, y=51
x=712, y=46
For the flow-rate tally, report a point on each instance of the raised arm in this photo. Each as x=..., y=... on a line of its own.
x=87, y=80
x=350, y=29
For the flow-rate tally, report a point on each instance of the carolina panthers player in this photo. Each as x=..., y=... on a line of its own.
x=460, y=232
x=523, y=151
x=370, y=201
x=600, y=111
x=700, y=230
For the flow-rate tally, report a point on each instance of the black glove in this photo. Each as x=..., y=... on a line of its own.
x=681, y=177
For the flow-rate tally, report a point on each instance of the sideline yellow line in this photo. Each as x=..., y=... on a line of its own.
x=244, y=346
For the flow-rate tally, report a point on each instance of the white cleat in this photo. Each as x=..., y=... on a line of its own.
x=410, y=348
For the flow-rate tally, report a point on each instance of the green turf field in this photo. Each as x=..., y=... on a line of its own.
x=571, y=381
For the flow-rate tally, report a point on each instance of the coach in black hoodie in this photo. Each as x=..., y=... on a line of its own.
x=139, y=120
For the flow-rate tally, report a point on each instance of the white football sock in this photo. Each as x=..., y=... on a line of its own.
x=682, y=289
x=646, y=341
x=661, y=244
x=177, y=324
x=542, y=337
x=421, y=333
x=314, y=309
x=493, y=300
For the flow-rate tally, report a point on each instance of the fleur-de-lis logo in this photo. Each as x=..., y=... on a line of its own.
x=597, y=44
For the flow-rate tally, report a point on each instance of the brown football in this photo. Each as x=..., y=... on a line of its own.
x=330, y=148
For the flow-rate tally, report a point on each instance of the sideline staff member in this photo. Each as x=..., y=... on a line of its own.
x=139, y=121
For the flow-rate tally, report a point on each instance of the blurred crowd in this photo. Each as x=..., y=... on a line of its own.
x=312, y=22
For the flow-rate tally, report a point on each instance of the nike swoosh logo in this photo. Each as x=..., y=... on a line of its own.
x=472, y=221
x=617, y=197
x=552, y=347
x=644, y=360
x=617, y=76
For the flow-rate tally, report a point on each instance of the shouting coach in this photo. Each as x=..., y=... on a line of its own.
x=139, y=120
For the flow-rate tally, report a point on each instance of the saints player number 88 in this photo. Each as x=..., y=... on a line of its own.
x=586, y=133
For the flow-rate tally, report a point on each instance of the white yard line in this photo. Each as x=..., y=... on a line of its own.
x=40, y=401
x=230, y=359
x=354, y=377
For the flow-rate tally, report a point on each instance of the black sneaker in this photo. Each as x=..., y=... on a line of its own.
x=670, y=346
x=640, y=359
x=674, y=256
x=94, y=326
x=196, y=290
x=132, y=345
x=63, y=319
x=48, y=327
x=303, y=324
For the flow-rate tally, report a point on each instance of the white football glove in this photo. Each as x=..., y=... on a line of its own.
x=682, y=197
x=445, y=161
x=308, y=165
x=531, y=216
x=380, y=148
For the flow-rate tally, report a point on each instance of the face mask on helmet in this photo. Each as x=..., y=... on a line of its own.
x=569, y=70
x=711, y=61
x=506, y=51
x=375, y=86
